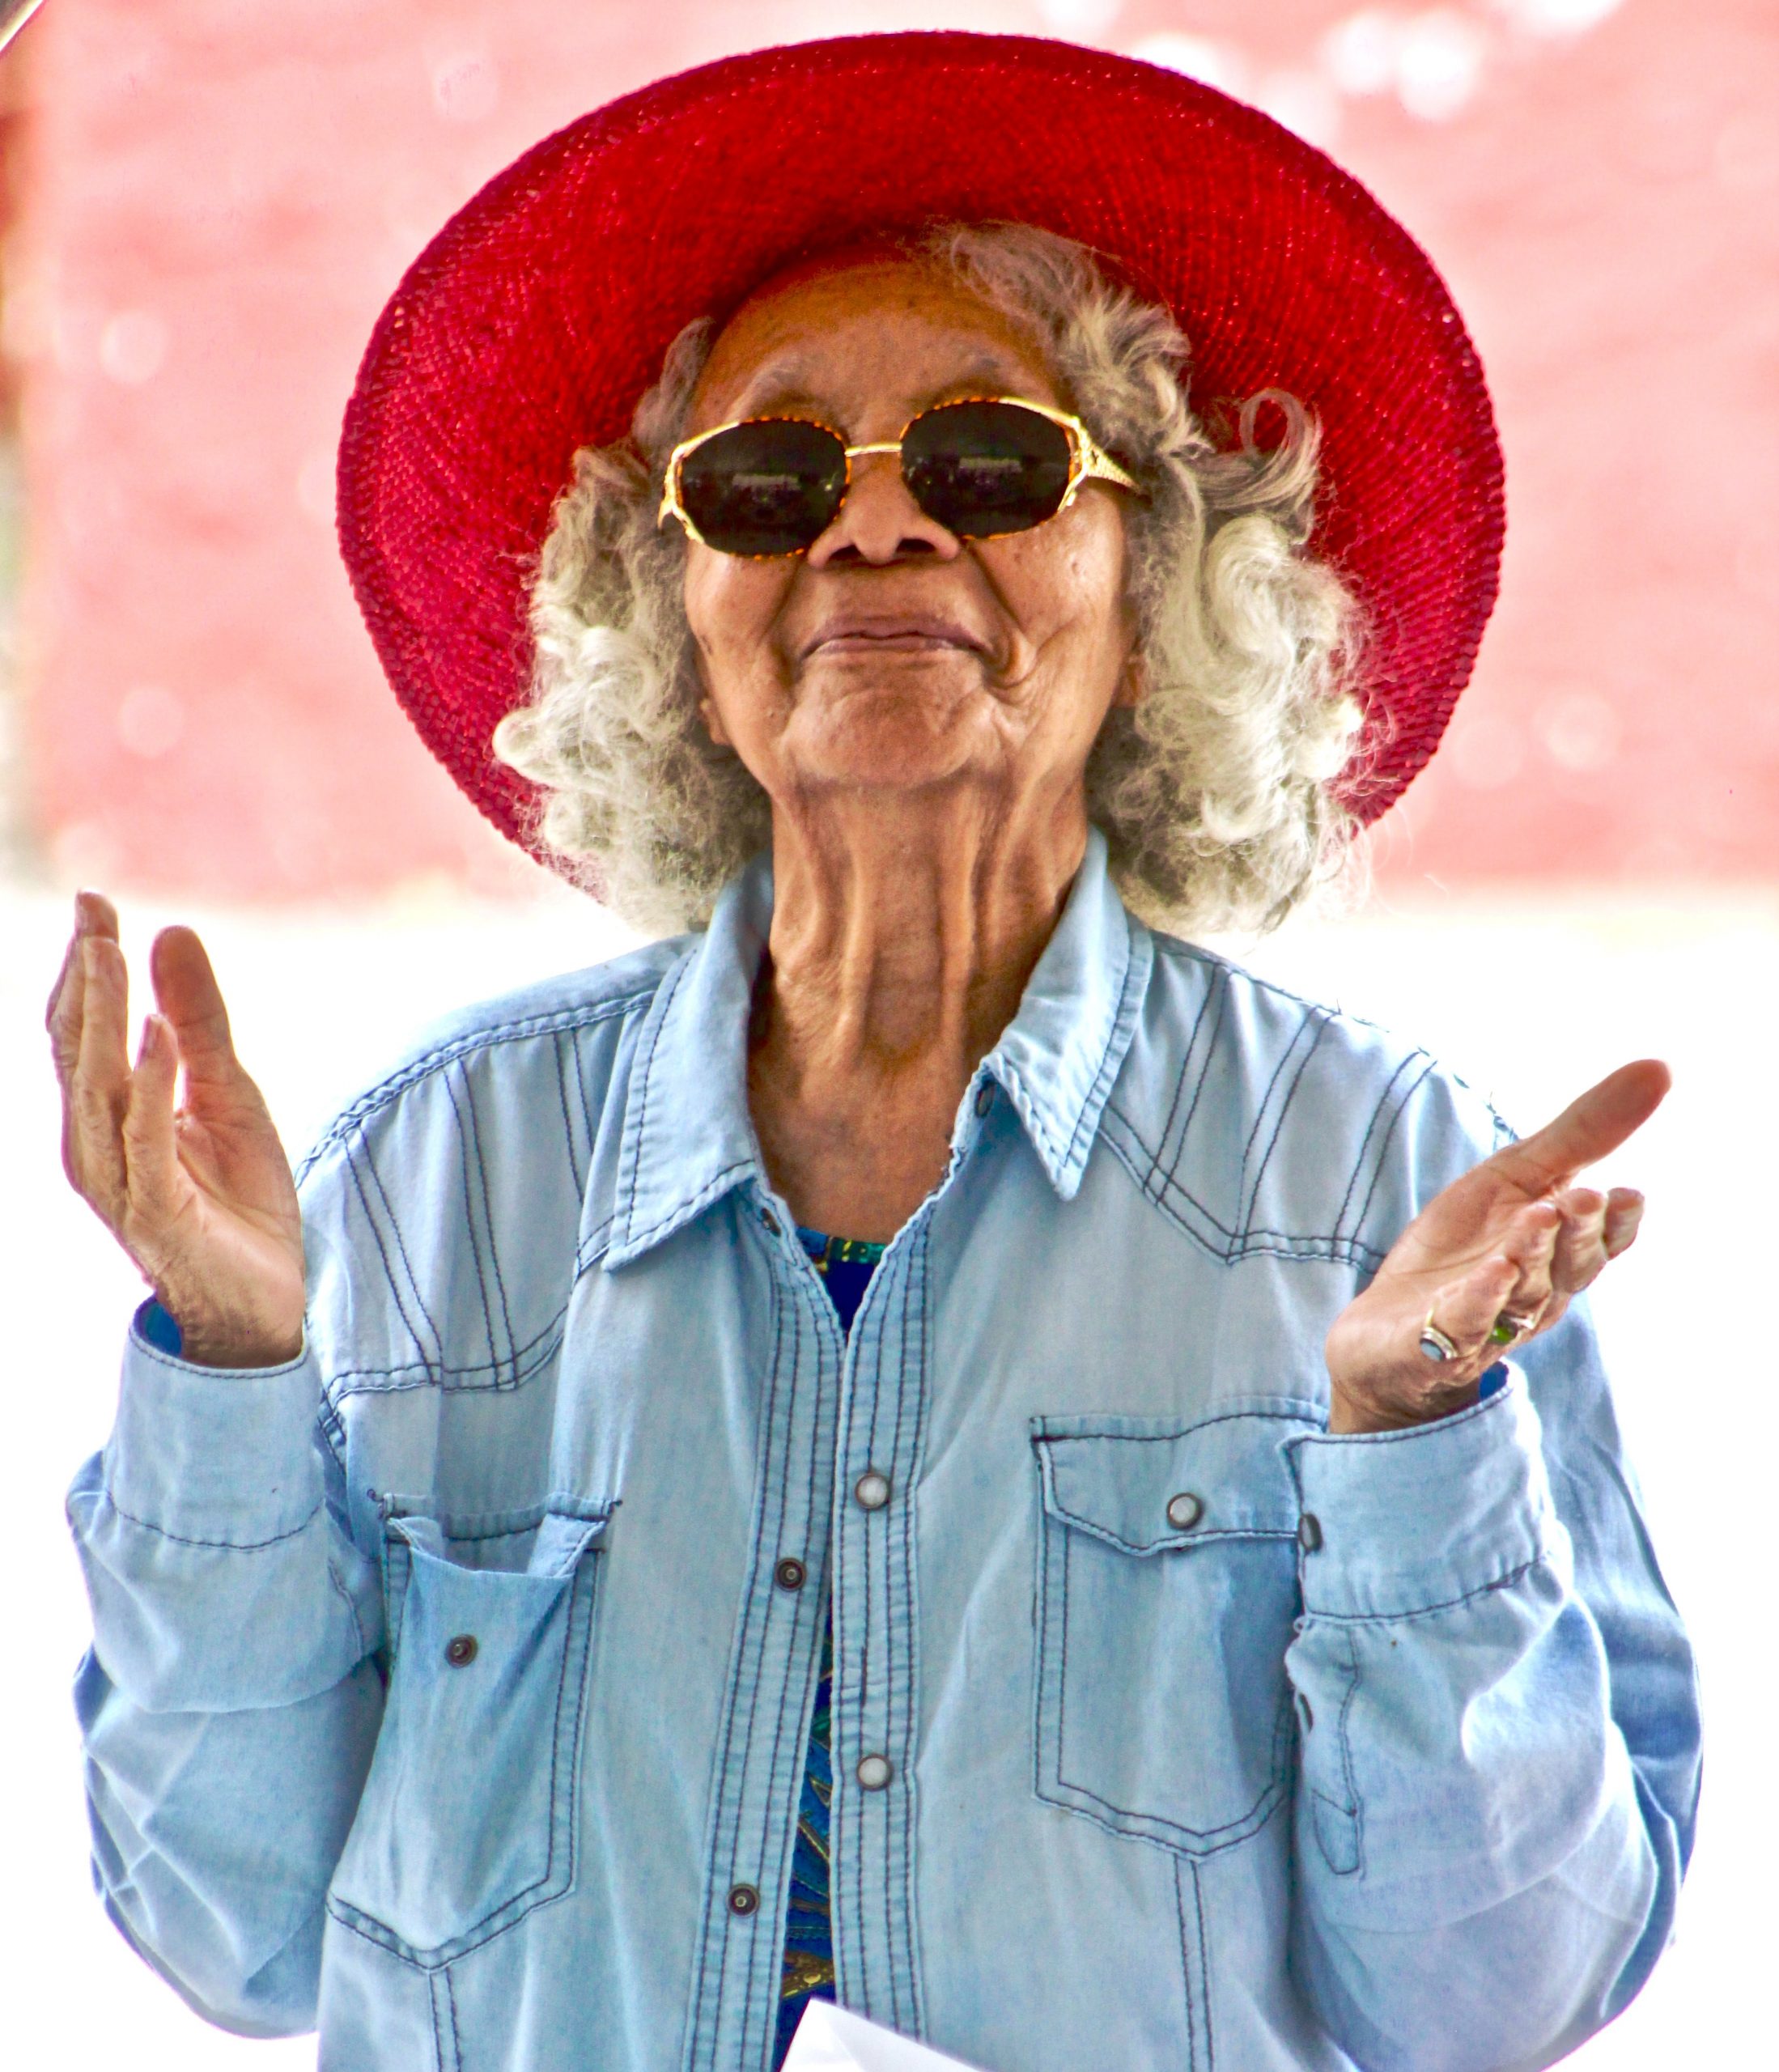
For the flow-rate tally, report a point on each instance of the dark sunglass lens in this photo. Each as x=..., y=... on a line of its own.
x=986, y=468
x=767, y=488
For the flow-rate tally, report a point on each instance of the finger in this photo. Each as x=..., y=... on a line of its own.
x=1624, y=1216
x=1532, y=1241
x=187, y=993
x=66, y=1007
x=1465, y=1310
x=1597, y=1123
x=94, y=915
x=68, y=961
x=103, y=1062
x=99, y=1086
x=1581, y=1243
x=151, y=1159
x=1516, y=1279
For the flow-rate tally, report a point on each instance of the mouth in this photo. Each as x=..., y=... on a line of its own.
x=903, y=633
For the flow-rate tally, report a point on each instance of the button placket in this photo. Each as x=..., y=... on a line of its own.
x=776, y=1645
x=882, y=1419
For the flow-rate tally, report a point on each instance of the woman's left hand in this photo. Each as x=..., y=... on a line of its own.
x=1510, y=1244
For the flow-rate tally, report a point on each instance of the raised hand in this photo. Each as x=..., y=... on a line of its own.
x=199, y=1195
x=1492, y=1261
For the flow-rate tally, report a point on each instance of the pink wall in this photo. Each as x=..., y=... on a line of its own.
x=222, y=192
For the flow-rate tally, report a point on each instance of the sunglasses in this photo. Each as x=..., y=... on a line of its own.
x=981, y=468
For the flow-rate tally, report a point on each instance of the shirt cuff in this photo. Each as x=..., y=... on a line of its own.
x=220, y=1455
x=1399, y=1522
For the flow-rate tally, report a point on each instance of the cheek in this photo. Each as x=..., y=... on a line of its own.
x=1064, y=581
x=731, y=606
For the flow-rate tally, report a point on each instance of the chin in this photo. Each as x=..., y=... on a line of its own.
x=898, y=737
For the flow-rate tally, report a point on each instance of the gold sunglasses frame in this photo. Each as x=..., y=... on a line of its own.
x=1087, y=462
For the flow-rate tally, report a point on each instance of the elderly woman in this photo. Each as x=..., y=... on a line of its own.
x=928, y=1441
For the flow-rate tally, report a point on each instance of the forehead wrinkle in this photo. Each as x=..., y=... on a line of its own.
x=780, y=386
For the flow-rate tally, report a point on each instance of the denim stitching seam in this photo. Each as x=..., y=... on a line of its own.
x=705, y=2020
x=1383, y=1147
x=474, y=1140
x=1156, y=1185
x=1211, y=1004
x=1505, y=1581
x=1360, y=1163
x=229, y=1545
x=1204, y=1971
x=767, y=1544
x=1317, y=1026
x=376, y=1098
x=366, y=1178
x=1289, y=1073
x=472, y=1234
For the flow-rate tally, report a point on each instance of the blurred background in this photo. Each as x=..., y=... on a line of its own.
x=203, y=206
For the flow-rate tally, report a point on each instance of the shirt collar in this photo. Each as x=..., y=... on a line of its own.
x=688, y=1138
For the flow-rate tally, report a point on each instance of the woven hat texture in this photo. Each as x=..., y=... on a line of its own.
x=534, y=322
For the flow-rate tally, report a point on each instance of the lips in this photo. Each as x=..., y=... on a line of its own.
x=887, y=632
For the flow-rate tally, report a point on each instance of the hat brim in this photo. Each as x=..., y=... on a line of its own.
x=534, y=321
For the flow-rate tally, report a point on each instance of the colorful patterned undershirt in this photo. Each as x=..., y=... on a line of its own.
x=846, y=1266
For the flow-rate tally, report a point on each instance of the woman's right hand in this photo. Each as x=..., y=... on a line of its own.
x=199, y=1195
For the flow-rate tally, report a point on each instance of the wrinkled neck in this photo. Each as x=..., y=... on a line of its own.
x=904, y=930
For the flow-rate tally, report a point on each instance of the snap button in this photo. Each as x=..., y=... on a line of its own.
x=873, y=1490
x=744, y=1899
x=1184, y=1511
x=769, y=1220
x=790, y=1573
x=873, y=1771
x=460, y=1651
x=1310, y=1532
x=985, y=1097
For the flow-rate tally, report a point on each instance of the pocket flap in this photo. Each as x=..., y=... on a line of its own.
x=545, y=1539
x=1149, y=1485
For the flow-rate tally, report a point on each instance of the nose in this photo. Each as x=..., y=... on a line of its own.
x=880, y=522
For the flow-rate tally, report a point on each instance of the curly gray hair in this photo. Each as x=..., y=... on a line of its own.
x=1214, y=791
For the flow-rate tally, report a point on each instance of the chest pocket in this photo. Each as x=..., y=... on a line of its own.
x=467, y=1817
x=1167, y=1592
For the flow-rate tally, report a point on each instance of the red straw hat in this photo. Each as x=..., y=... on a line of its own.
x=534, y=322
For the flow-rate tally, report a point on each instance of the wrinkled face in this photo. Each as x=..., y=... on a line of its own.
x=893, y=656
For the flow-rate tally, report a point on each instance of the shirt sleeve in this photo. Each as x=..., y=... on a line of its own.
x=1498, y=1727
x=231, y=1700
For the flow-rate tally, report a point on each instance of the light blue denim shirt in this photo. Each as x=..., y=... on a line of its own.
x=449, y=1691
